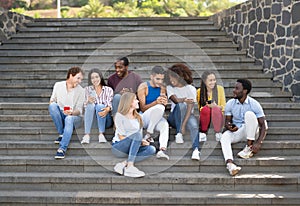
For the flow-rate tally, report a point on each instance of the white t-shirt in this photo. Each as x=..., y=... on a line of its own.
x=188, y=91
x=125, y=126
x=62, y=97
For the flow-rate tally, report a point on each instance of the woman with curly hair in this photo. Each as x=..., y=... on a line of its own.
x=183, y=97
x=211, y=102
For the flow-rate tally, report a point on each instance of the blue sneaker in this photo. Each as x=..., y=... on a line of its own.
x=60, y=154
x=57, y=141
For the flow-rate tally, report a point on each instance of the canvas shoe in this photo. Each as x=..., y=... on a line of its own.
x=218, y=136
x=60, y=154
x=202, y=137
x=119, y=168
x=85, y=139
x=179, y=138
x=196, y=155
x=162, y=155
x=132, y=171
x=246, y=153
x=102, y=138
x=233, y=169
x=57, y=141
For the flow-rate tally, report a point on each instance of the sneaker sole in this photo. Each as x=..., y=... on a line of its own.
x=59, y=157
x=235, y=172
x=246, y=157
x=161, y=157
x=56, y=142
x=118, y=172
x=133, y=175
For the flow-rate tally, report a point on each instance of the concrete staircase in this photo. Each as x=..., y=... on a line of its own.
x=40, y=54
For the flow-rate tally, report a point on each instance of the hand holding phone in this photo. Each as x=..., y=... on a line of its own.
x=66, y=108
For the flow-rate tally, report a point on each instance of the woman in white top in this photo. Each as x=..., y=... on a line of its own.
x=128, y=139
x=183, y=97
x=98, y=104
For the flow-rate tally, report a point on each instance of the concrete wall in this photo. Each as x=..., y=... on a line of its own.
x=269, y=31
x=9, y=23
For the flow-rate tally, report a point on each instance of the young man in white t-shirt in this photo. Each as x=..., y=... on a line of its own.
x=65, y=108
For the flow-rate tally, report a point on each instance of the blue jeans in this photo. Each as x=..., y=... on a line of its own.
x=64, y=124
x=90, y=115
x=175, y=119
x=131, y=146
x=115, y=103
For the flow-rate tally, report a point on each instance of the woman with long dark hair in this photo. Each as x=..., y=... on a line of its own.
x=211, y=102
x=98, y=104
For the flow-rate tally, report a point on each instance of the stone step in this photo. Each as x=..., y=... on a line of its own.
x=111, y=33
x=94, y=59
x=157, y=182
x=131, y=39
x=211, y=147
x=130, y=28
x=87, y=52
x=119, y=22
x=192, y=53
x=183, y=164
x=292, y=118
x=35, y=92
x=234, y=66
x=272, y=106
x=43, y=95
x=147, y=198
x=228, y=82
x=21, y=76
x=48, y=133
x=143, y=47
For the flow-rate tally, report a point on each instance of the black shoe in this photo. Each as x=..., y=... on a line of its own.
x=57, y=141
x=60, y=154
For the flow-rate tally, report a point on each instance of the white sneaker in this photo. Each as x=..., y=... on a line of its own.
x=132, y=171
x=196, y=155
x=246, y=153
x=218, y=136
x=102, y=138
x=85, y=139
x=202, y=137
x=179, y=138
x=233, y=169
x=161, y=154
x=119, y=168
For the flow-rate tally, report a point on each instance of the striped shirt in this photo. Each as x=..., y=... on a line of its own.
x=105, y=97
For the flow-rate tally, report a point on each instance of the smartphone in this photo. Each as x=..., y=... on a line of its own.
x=67, y=108
x=208, y=101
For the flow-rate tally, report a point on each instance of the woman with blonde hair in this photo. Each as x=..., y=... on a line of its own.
x=128, y=139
